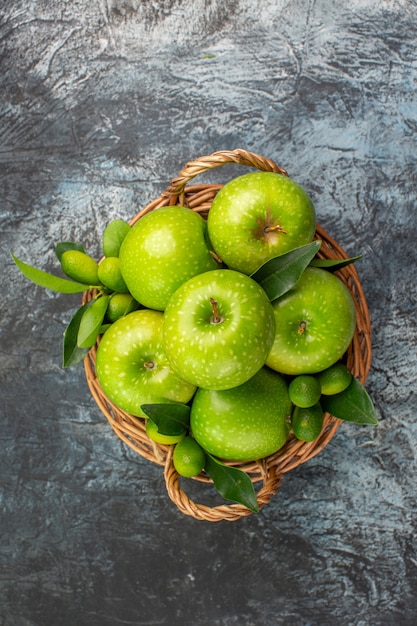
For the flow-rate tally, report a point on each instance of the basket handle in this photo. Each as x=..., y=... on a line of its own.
x=205, y=163
x=230, y=512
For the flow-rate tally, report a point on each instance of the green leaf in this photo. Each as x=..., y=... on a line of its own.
x=170, y=418
x=334, y=264
x=48, y=281
x=103, y=328
x=91, y=321
x=232, y=483
x=73, y=354
x=280, y=274
x=352, y=405
x=63, y=246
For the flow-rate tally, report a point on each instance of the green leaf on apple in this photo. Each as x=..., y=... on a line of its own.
x=352, y=405
x=63, y=246
x=170, y=418
x=48, y=281
x=232, y=483
x=91, y=322
x=333, y=265
x=280, y=274
x=72, y=353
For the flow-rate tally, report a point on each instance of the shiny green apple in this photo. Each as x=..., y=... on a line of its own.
x=218, y=329
x=245, y=423
x=161, y=251
x=258, y=216
x=315, y=322
x=132, y=367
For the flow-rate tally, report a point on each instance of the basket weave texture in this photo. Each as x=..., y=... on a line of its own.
x=267, y=472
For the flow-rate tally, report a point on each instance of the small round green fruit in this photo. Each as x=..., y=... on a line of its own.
x=120, y=304
x=304, y=390
x=307, y=423
x=110, y=275
x=188, y=458
x=80, y=266
x=334, y=379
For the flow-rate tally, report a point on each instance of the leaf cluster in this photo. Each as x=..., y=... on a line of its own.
x=88, y=322
x=280, y=274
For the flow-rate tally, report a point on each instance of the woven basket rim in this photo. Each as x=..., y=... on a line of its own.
x=270, y=470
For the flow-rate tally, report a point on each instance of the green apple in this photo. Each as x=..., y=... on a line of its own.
x=132, y=367
x=315, y=322
x=164, y=249
x=246, y=423
x=258, y=216
x=218, y=329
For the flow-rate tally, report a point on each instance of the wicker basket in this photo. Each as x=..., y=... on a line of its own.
x=267, y=472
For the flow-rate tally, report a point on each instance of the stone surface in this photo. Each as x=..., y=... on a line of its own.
x=103, y=102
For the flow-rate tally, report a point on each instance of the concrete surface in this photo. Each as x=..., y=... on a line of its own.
x=102, y=102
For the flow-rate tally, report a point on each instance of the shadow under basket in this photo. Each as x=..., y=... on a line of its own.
x=268, y=472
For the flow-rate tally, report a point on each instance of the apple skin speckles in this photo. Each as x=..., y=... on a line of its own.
x=164, y=249
x=258, y=216
x=245, y=423
x=124, y=351
x=315, y=322
x=218, y=355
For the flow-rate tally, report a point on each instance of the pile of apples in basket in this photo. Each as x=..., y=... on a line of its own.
x=225, y=333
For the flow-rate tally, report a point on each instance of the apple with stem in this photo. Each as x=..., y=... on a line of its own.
x=218, y=329
x=315, y=322
x=161, y=251
x=132, y=367
x=258, y=216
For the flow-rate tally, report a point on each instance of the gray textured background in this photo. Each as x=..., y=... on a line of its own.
x=102, y=102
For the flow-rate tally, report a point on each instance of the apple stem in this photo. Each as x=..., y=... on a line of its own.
x=149, y=365
x=215, y=318
x=215, y=256
x=301, y=327
x=275, y=228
